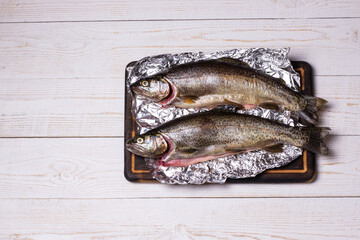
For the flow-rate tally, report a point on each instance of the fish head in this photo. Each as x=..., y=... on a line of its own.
x=147, y=145
x=154, y=88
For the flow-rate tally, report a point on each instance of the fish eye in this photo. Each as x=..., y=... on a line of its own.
x=145, y=83
x=140, y=140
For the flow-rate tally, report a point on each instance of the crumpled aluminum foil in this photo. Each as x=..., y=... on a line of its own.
x=149, y=115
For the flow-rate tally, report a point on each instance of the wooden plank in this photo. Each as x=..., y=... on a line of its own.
x=102, y=49
x=180, y=219
x=93, y=168
x=62, y=107
x=75, y=10
x=95, y=107
x=343, y=109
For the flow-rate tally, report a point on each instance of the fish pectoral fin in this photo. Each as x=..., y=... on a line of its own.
x=270, y=105
x=189, y=99
x=277, y=148
x=189, y=150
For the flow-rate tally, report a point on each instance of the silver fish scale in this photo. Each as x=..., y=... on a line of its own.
x=148, y=115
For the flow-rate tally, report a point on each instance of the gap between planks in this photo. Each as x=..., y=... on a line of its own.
x=149, y=198
x=120, y=137
x=179, y=20
x=122, y=78
x=75, y=10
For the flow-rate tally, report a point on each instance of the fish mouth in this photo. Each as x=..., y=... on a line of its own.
x=128, y=145
x=136, y=90
x=171, y=97
x=133, y=149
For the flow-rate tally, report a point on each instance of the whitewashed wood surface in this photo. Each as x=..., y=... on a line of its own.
x=62, y=115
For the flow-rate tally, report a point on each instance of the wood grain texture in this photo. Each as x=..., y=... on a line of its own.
x=343, y=109
x=102, y=49
x=62, y=107
x=95, y=107
x=93, y=168
x=76, y=10
x=185, y=219
x=62, y=76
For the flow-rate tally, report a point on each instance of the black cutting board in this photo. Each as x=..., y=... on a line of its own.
x=302, y=169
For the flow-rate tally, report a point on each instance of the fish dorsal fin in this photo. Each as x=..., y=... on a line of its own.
x=233, y=61
x=277, y=148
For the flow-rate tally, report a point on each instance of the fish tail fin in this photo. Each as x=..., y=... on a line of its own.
x=314, y=104
x=316, y=139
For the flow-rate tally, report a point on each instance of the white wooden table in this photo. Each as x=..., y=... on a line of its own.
x=61, y=120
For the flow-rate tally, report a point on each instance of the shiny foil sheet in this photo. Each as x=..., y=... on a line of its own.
x=149, y=115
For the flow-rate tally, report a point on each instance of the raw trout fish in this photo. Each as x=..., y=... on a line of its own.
x=207, y=84
x=205, y=136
